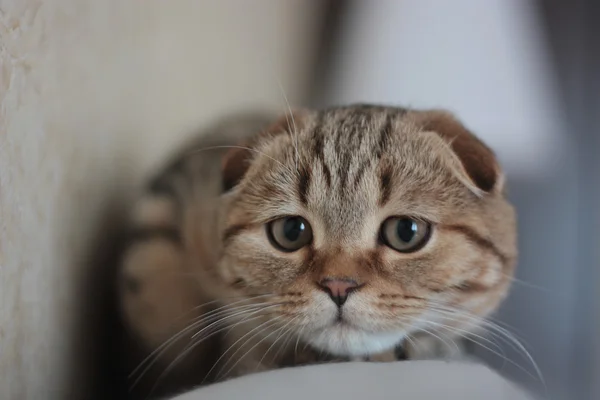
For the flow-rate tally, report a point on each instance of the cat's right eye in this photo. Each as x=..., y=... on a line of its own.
x=289, y=233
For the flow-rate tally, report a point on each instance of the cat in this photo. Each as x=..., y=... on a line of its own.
x=358, y=232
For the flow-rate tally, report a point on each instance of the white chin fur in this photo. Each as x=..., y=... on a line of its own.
x=349, y=342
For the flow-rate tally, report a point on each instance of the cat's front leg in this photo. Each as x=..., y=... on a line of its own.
x=158, y=300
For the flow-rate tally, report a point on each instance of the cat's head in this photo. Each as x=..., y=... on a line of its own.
x=360, y=225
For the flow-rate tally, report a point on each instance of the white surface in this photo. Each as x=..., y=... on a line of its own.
x=422, y=380
x=485, y=60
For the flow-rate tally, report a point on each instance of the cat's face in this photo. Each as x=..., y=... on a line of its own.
x=364, y=225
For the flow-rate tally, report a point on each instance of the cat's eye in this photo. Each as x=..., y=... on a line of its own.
x=289, y=233
x=405, y=234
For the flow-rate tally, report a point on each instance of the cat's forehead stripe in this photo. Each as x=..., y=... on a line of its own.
x=385, y=185
x=477, y=239
x=342, y=141
x=304, y=179
x=318, y=147
x=385, y=135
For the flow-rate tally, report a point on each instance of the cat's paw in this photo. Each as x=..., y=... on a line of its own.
x=158, y=298
x=432, y=348
x=387, y=356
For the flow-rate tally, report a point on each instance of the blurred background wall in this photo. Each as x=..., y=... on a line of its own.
x=525, y=76
x=94, y=94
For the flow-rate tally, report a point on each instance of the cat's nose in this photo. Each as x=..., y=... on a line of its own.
x=338, y=288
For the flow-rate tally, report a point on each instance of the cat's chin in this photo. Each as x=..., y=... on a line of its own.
x=347, y=341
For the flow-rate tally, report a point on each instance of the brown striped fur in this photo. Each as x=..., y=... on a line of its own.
x=345, y=170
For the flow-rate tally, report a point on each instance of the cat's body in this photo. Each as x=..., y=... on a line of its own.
x=334, y=234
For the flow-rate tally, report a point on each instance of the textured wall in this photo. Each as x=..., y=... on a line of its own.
x=92, y=93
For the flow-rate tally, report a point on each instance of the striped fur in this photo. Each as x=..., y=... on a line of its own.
x=199, y=236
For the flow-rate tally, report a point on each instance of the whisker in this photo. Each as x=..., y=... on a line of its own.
x=243, y=310
x=195, y=344
x=454, y=315
x=285, y=343
x=525, y=283
x=440, y=307
x=194, y=323
x=520, y=367
x=298, y=340
x=481, y=322
x=190, y=348
x=237, y=147
x=464, y=332
x=165, y=346
x=234, y=344
x=291, y=114
x=412, y=342
x=439, y=338
x=264, y=328
x=501, y=333
x=244, y=299
x=282, y=331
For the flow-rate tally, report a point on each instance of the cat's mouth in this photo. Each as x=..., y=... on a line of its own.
x=345, y=324
x=342, y=320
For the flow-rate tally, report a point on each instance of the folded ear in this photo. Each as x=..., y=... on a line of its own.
x=237, y=160
x=478, y=160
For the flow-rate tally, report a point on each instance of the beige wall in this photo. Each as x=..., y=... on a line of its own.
x=92, y=93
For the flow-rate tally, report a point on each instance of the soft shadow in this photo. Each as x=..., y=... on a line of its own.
x=99, y=369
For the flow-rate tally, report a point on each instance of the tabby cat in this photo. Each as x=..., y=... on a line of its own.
x=357, y=232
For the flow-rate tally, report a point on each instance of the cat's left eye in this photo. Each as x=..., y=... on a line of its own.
x=289, y=233
x=405, y=234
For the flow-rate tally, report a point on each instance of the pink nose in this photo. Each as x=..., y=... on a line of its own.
x=339, y=289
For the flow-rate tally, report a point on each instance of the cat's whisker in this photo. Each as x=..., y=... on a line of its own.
x=491, y=327
x=468, y=336
x=252, y=348
x=158, y=352
x=286, y=342
x=298, y=340
x=501, y=333
x=463, y=332
x=412, y=342
x=235, y=343
x=236, y=314
x=305, y=346
x=440, y=307
x=282, y=331
x=243, y=299
x=237, y=147
x=525, y=283
x=439, y=338
x=451, y=339
x=228, y=315
x=193, y=323
x=262, y=328
x=229, y=329
x=509, y=338
x=210, y=316
x=188, y=349
x=291, y=115
x=454, y=315
x=498, y=346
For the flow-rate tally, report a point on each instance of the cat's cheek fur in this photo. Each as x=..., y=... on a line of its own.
x=248, y=264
